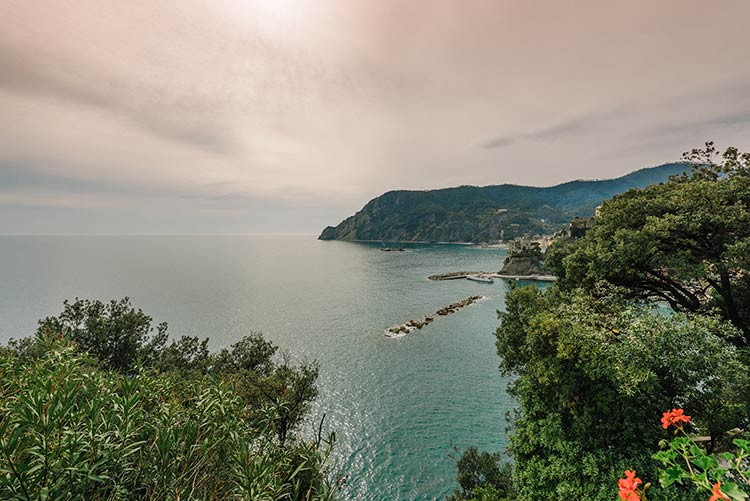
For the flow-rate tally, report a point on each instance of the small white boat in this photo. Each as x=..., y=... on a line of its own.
x=480, y=278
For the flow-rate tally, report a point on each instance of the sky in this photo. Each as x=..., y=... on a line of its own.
x=284, y=116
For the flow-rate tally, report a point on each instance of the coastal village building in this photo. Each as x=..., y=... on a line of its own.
x=521, y=245
x=526, y=254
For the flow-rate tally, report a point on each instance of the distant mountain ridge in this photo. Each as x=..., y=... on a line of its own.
x=487, y=213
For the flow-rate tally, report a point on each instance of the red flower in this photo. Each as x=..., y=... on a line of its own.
x=717, y=493
x=674, y=417
x=629, y=485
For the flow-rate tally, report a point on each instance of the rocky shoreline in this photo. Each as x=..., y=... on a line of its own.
x=412, y=325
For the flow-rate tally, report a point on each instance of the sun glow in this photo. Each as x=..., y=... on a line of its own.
x=268, y=14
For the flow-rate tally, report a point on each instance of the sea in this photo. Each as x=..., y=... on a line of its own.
x=401, y=408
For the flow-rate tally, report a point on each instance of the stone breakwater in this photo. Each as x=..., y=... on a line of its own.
x=456, y=275
x=411, y=325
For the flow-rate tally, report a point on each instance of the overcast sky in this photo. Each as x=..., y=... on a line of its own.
x=283, y=116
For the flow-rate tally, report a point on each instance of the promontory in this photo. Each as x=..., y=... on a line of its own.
x=488, y=213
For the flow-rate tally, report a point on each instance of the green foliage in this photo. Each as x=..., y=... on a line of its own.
x=684, y=463
x=251, y=353
x=187, y=354
x=70, y=430
x=590, y=373
x=98, y=406
x=685, y=242
x=115, y=333
x=119, y=338
x=594, y=364
x=482, y=477
x=289, y=390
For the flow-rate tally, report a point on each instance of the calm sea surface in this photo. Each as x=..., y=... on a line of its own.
x=398, y=405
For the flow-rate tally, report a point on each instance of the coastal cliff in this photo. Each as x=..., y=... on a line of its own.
x=485, y=214
x=523, y=266
x=525, y=257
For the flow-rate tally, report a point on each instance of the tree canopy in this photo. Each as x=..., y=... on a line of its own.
x=592, y=377
x=650, y=316
x=685, y=242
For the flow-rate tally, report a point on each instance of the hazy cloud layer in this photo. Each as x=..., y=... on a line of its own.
x=184, y=116
x=575, y=126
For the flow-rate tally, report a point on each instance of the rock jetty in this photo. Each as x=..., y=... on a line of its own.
x=456, y=275
x=529, y=278
x=453, y=308
x=412, y=325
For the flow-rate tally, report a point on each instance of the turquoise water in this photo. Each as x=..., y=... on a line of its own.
x=398, y=405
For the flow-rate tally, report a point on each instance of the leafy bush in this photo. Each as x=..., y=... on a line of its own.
x=482, y=476
x=120, y=338
x=70, y=430
x=97, y=406
x=589, y=372
x=116, y=334
x=726, y=474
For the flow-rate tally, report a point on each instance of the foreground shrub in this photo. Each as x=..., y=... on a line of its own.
x=724, y=475
x=589, y=373
x=72, y=430
x=121, y=338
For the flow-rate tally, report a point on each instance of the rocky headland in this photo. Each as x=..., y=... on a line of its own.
x=480, y=214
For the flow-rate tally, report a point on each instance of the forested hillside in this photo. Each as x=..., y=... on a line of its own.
x=488, y=213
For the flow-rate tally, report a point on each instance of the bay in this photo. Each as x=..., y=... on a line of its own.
x=398, y=406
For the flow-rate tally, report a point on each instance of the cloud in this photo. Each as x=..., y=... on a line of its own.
x=701, y=111
x=730, y=119
x=719, y=111
x=54, y=201
x=500, y=142
x=578, y=125
x=180, y=120
x=19, y=177
x=185, y=111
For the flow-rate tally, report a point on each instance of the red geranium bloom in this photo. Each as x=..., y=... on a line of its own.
x=629, y=485
x=674, y=417
x=717, y=493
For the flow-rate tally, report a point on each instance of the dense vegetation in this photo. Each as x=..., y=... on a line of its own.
x=686, y=242
x=650, y=314
x=593, y=377
x=485, y=214
x=98, y=405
